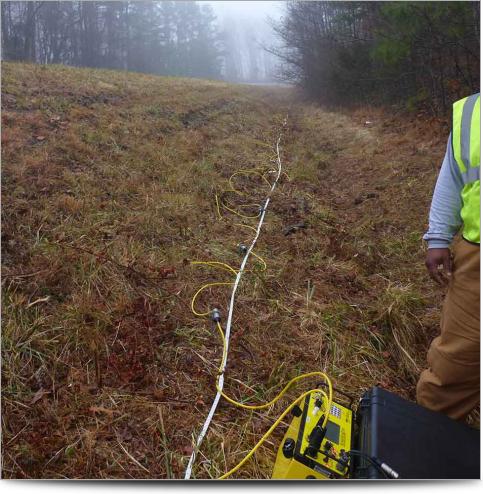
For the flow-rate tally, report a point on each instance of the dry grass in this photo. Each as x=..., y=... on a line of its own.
x=108, y=189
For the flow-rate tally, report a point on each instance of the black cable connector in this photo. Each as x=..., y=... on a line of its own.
x=316, y=437
x=242, y=248
x=215, y=315
x=384, y=468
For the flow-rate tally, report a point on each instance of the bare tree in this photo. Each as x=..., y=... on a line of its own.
x=412, y=53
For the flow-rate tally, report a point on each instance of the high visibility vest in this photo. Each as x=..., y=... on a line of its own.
x=466, y=151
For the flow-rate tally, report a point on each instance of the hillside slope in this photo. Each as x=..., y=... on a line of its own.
x=109, y=183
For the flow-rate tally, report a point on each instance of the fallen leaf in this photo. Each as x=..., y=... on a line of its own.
x=40, y=138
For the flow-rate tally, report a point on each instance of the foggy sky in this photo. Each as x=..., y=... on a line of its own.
x=246, y=23
x=245, y=9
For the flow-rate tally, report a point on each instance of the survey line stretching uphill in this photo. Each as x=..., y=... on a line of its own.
x=109, y=183
x=247, y=251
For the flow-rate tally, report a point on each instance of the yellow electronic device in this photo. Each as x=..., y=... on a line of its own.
x=310, y=451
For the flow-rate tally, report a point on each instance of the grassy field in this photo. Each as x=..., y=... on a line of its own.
x=109, y=183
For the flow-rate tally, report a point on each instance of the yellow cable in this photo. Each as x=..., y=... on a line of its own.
x=221, y=265
x=228, y=267
x=241, y=215
x=204, y=287
x=246, y=226
x=267, y=434
x=283, y=173
x=327, y=400
x=284, y=390
x=218, y=206
x=264, y=264
x=269, y=171
x=219, y=202
x=250, y=205
x=215, y=264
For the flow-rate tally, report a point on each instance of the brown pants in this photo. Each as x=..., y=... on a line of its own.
x=451, y=385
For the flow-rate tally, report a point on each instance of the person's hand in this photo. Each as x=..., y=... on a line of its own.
x=438, y=262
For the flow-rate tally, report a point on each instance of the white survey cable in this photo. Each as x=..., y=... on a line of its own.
x=221, y=377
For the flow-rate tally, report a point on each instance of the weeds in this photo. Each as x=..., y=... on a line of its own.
x=108, y=193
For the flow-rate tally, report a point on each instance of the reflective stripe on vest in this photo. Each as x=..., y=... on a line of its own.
x=466, y=150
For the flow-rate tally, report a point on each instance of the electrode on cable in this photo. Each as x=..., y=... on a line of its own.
x=242, y=248
x=215, y=315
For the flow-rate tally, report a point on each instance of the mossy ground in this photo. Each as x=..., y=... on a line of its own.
x=108, y=191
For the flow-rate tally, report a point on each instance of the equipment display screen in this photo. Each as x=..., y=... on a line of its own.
x=333, y=432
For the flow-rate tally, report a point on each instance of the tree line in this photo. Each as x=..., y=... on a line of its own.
x=420, y=54
x=177, y=38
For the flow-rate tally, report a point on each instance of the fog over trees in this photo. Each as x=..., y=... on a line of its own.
x=176, y=38
x=167, y=38
x=246, y=31
x=420, y=54
x=417, y=54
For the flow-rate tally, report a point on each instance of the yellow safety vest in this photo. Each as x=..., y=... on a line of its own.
x=466, y=151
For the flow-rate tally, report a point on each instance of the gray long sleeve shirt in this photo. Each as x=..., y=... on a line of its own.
x=444, y=217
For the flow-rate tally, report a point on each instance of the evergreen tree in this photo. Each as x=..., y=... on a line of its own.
x=416, y=53
x=170, y=38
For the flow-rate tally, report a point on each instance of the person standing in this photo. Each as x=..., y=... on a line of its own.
x=451, y=384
